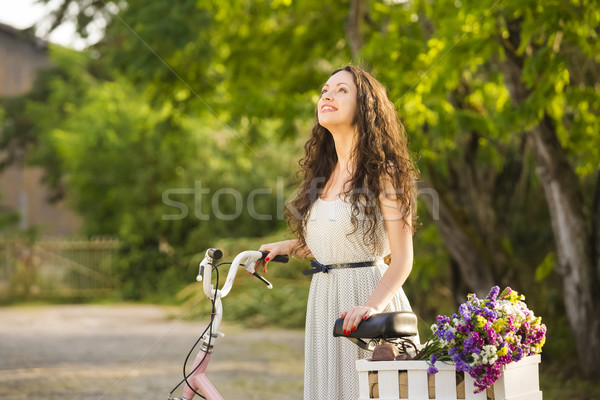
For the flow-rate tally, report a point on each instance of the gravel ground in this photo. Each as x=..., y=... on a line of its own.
x=136, y=352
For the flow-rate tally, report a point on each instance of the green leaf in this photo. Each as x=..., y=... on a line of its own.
x=546, y=267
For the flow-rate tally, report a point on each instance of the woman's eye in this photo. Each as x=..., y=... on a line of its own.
x=323, y=91
x=342, y=90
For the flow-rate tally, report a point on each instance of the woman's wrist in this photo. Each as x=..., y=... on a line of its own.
x=376, y=309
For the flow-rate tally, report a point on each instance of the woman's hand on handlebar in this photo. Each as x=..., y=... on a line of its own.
x=274, y=249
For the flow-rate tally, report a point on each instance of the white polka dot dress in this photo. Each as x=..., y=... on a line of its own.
x=330, y=372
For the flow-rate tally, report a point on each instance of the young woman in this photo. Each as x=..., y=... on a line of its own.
x=355, y=206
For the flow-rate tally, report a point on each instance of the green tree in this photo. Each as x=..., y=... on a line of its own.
x=485, y=86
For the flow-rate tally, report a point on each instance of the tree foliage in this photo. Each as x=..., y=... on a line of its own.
x=223, y=92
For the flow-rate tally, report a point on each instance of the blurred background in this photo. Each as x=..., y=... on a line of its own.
x=135, y=134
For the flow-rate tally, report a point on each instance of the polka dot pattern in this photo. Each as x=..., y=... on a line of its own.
x=330, y=371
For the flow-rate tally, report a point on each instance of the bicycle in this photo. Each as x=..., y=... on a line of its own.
x=196, y=381
x=392, y=328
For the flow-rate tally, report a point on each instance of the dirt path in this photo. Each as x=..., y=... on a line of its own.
x=87, y=352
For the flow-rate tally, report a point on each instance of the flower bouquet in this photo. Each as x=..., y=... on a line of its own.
x=485, y=335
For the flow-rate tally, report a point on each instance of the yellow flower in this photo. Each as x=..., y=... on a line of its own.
x=502, y=352
x=499, y=324
x=479, y=321
x=513, y=297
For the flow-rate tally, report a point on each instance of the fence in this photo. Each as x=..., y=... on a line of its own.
x=56, y=268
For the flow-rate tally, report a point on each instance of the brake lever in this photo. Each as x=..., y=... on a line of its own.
x=266, y=282
x=252, y=270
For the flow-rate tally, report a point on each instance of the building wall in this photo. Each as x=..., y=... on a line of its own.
x=20, y=58
x=21, y=188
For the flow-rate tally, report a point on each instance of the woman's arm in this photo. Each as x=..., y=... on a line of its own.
x=299, y=252
x=401, y=246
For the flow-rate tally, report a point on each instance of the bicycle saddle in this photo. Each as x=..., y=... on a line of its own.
x=390, y=325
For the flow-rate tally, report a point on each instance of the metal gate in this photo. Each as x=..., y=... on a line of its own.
x=56, y=268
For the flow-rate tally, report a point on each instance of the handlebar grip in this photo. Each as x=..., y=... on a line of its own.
x=282, y=258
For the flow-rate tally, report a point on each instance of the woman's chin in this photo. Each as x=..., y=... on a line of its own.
x=329, y=123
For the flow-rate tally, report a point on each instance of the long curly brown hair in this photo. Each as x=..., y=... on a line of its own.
x=381, y=155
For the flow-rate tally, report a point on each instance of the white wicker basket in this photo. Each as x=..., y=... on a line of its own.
x=394, y=380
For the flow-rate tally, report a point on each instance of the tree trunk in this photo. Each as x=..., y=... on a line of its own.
x=596, y=227
x=358, y=9
x=462, y=245
x=576, y=245
x=575, y=264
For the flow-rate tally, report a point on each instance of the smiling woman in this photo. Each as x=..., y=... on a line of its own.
x=337, y=105
x=354, y=207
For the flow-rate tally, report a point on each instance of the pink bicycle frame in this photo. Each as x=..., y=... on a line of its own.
x=199, y=381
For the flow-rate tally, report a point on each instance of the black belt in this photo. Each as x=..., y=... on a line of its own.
x=318, y=267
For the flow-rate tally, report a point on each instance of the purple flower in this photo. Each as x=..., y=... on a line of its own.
x=433, y=359
x=461, y=366
x=464, y=312
x=518, y=354
x=490, y=314
x=493, y=294
x=462, y=328
x=469, y=344
x=432, y=370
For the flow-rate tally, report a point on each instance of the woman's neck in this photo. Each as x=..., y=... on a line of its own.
x=344, y=143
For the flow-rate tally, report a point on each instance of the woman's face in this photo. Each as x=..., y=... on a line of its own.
x=337, y=105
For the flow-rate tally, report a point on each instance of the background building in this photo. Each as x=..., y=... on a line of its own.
x=21, y=190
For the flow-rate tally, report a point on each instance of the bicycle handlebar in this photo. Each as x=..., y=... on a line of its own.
x=250, y=257
x=196, y=380
x=282, y=258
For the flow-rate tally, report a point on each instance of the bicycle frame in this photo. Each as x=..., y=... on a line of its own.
x=197, y=381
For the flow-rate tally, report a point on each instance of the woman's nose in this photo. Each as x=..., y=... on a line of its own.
x=326, y=95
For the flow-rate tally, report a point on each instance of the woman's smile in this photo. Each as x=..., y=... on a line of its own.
x=327, y=108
